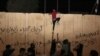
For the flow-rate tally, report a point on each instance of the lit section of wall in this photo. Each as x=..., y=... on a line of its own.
x=21, y=29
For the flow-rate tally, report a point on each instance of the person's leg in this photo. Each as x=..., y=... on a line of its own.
x=54, y=24
x=58, y=19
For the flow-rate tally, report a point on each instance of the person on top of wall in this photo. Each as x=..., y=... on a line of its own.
x=93, y=53
x=8, y=51
x=79, y=49
x=54, y=18
x=31, y=50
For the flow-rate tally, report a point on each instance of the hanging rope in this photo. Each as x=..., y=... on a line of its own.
x=44, y=24
x=82, y=23
x=25, y=31
x=96, y=25
x=73, y=24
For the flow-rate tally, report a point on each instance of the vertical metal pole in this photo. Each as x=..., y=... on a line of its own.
x=44, y=6
x=68, y=6
x=57, y=5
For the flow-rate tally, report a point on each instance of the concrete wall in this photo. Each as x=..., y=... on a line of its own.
x=20, y=30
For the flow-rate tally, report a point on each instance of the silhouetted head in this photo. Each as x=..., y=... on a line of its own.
x=54, y=41
x=80, y=45
x=54, y=10
x=65, y=41
x=93, y=53
x=8, y=46
x=58, y=45
x=32, y=45
x=22, y=50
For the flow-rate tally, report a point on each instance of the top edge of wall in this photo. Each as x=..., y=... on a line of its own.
x=47, y=13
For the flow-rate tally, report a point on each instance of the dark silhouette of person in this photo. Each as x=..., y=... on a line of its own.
x=22, y=52
x=71, y=54
x=66, y=48
x=31, y=50
x=54, y=18
x=58, y=49
x=69, y=48
x=8, y=51
x=93, y=53
x=53, y=48
x=79, y=49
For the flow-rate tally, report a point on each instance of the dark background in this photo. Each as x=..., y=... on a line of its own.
x=31, y=6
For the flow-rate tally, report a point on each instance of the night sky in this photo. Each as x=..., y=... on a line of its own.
x=76, y=6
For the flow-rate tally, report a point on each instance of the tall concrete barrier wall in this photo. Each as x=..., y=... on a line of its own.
x=21, y=29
